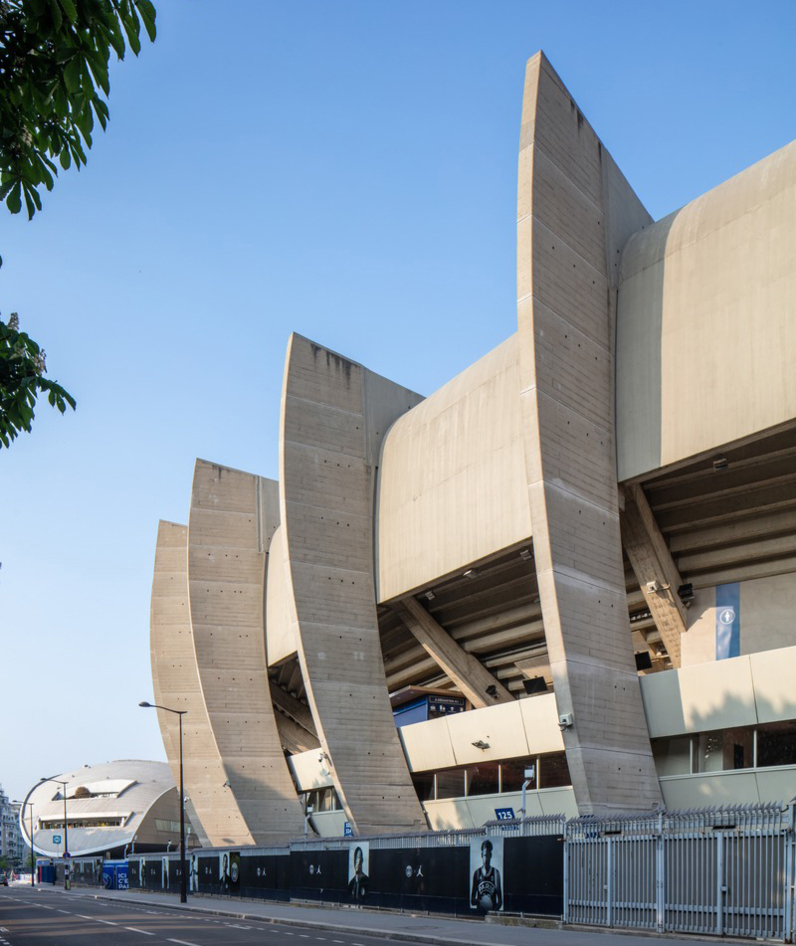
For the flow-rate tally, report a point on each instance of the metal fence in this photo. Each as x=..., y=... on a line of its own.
x=533, y=826
x=722, y=871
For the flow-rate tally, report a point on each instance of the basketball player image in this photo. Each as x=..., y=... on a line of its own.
x=487, y=892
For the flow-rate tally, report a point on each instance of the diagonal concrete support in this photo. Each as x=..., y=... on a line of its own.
x=294, y=737
x=652, y=562
x=466, y=671
x=298, y=711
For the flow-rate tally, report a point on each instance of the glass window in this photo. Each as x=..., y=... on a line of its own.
x=553, y=771
x=424, y=785
x=450, y=783
x=724, y=750
x=776, y=744
x=483, y=779
x=512, y=774
x=672, y=756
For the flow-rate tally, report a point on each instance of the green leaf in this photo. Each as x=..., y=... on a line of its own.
x=55, y=12
x=147, y=10
x=29, y=204
x=72, y=73
x=14, y=199
x=69, y=9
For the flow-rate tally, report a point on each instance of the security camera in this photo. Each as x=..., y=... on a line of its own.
x=565, y=721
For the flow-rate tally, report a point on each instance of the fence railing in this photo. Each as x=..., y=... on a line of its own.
x=721, y=871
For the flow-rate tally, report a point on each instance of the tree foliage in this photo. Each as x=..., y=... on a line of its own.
x=54, y=59
x=22, y=368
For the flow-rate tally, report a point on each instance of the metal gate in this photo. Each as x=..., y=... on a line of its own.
x=725, y=871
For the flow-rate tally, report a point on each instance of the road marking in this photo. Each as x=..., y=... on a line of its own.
x=84, y=917
x=65, y=911
x=183, y=942
x=44, y=906
x=107, y=922
x=135, y=930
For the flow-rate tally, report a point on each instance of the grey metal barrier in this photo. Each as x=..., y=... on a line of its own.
x=721, y=871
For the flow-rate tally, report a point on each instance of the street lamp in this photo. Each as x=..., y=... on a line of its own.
x=66, y=829
x=32, y=848
x=183, y=885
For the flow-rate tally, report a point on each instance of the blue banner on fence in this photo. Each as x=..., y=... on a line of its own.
x=728, y=621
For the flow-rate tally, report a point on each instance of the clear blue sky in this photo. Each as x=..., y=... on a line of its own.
x=343, y=169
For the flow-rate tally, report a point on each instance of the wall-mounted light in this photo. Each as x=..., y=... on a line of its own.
x=720, y=463
x=526, y=555
x=429, y=596
x=480, y=744
x=471, y=573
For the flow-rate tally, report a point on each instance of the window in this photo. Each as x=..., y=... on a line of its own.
x=450, y=783
x=512, y=774
x=776, y=744
x=424, y=785
x=483, y=779
x=553, y=771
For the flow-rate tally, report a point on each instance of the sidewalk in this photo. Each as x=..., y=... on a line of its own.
x=435, y=930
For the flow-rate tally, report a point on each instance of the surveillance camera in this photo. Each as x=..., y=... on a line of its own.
x=565, y=721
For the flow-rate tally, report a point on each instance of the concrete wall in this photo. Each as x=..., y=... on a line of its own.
x=741, y=691
x=512, y=730
x=767, y=608
x=452, y=486
x=575, y=212
x=334, y=416
x=452, y=814
x=233, y=518
x=176, y=684
x=706, y=333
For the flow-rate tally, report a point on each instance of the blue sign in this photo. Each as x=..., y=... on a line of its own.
x=728, y=621
x=348, y=831
x=57, y=839
x=504, y=814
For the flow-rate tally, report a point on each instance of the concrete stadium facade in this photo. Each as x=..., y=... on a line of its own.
x=577, y=555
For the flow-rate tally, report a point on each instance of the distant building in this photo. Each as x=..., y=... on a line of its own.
x=110, y=808
x=12, y=847
x=576, y=559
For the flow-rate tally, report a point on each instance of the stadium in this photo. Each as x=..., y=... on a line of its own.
x=563, y=583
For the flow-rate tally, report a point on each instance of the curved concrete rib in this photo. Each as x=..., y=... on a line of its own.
x=575, y=212
x=233, y=518
x=176, y=684
x=334, y=416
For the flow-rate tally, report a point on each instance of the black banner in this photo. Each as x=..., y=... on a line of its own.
x=523, y=874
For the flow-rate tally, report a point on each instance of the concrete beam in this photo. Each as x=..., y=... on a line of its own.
x=295, y=738
x=652, y=562
x=466, y=671
x=294, y=708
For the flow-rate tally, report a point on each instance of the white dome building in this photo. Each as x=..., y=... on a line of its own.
x=109, y=807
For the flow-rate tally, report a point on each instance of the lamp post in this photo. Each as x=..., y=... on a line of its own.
x=66, y=829
x=32, y=848
x=183, y=884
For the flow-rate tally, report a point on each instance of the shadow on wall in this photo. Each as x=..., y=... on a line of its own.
x=711, y=760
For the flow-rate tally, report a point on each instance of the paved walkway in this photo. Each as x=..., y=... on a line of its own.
x=439, y=930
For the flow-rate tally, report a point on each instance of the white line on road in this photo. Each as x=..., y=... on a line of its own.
x=183, y=942
x=107, y=922
x=84, y=917
x=135, y=930
x=65, y=911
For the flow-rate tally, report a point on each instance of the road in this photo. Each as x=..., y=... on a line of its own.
x=44, y=917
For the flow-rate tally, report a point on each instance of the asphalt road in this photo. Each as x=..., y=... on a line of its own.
x=42, y=917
